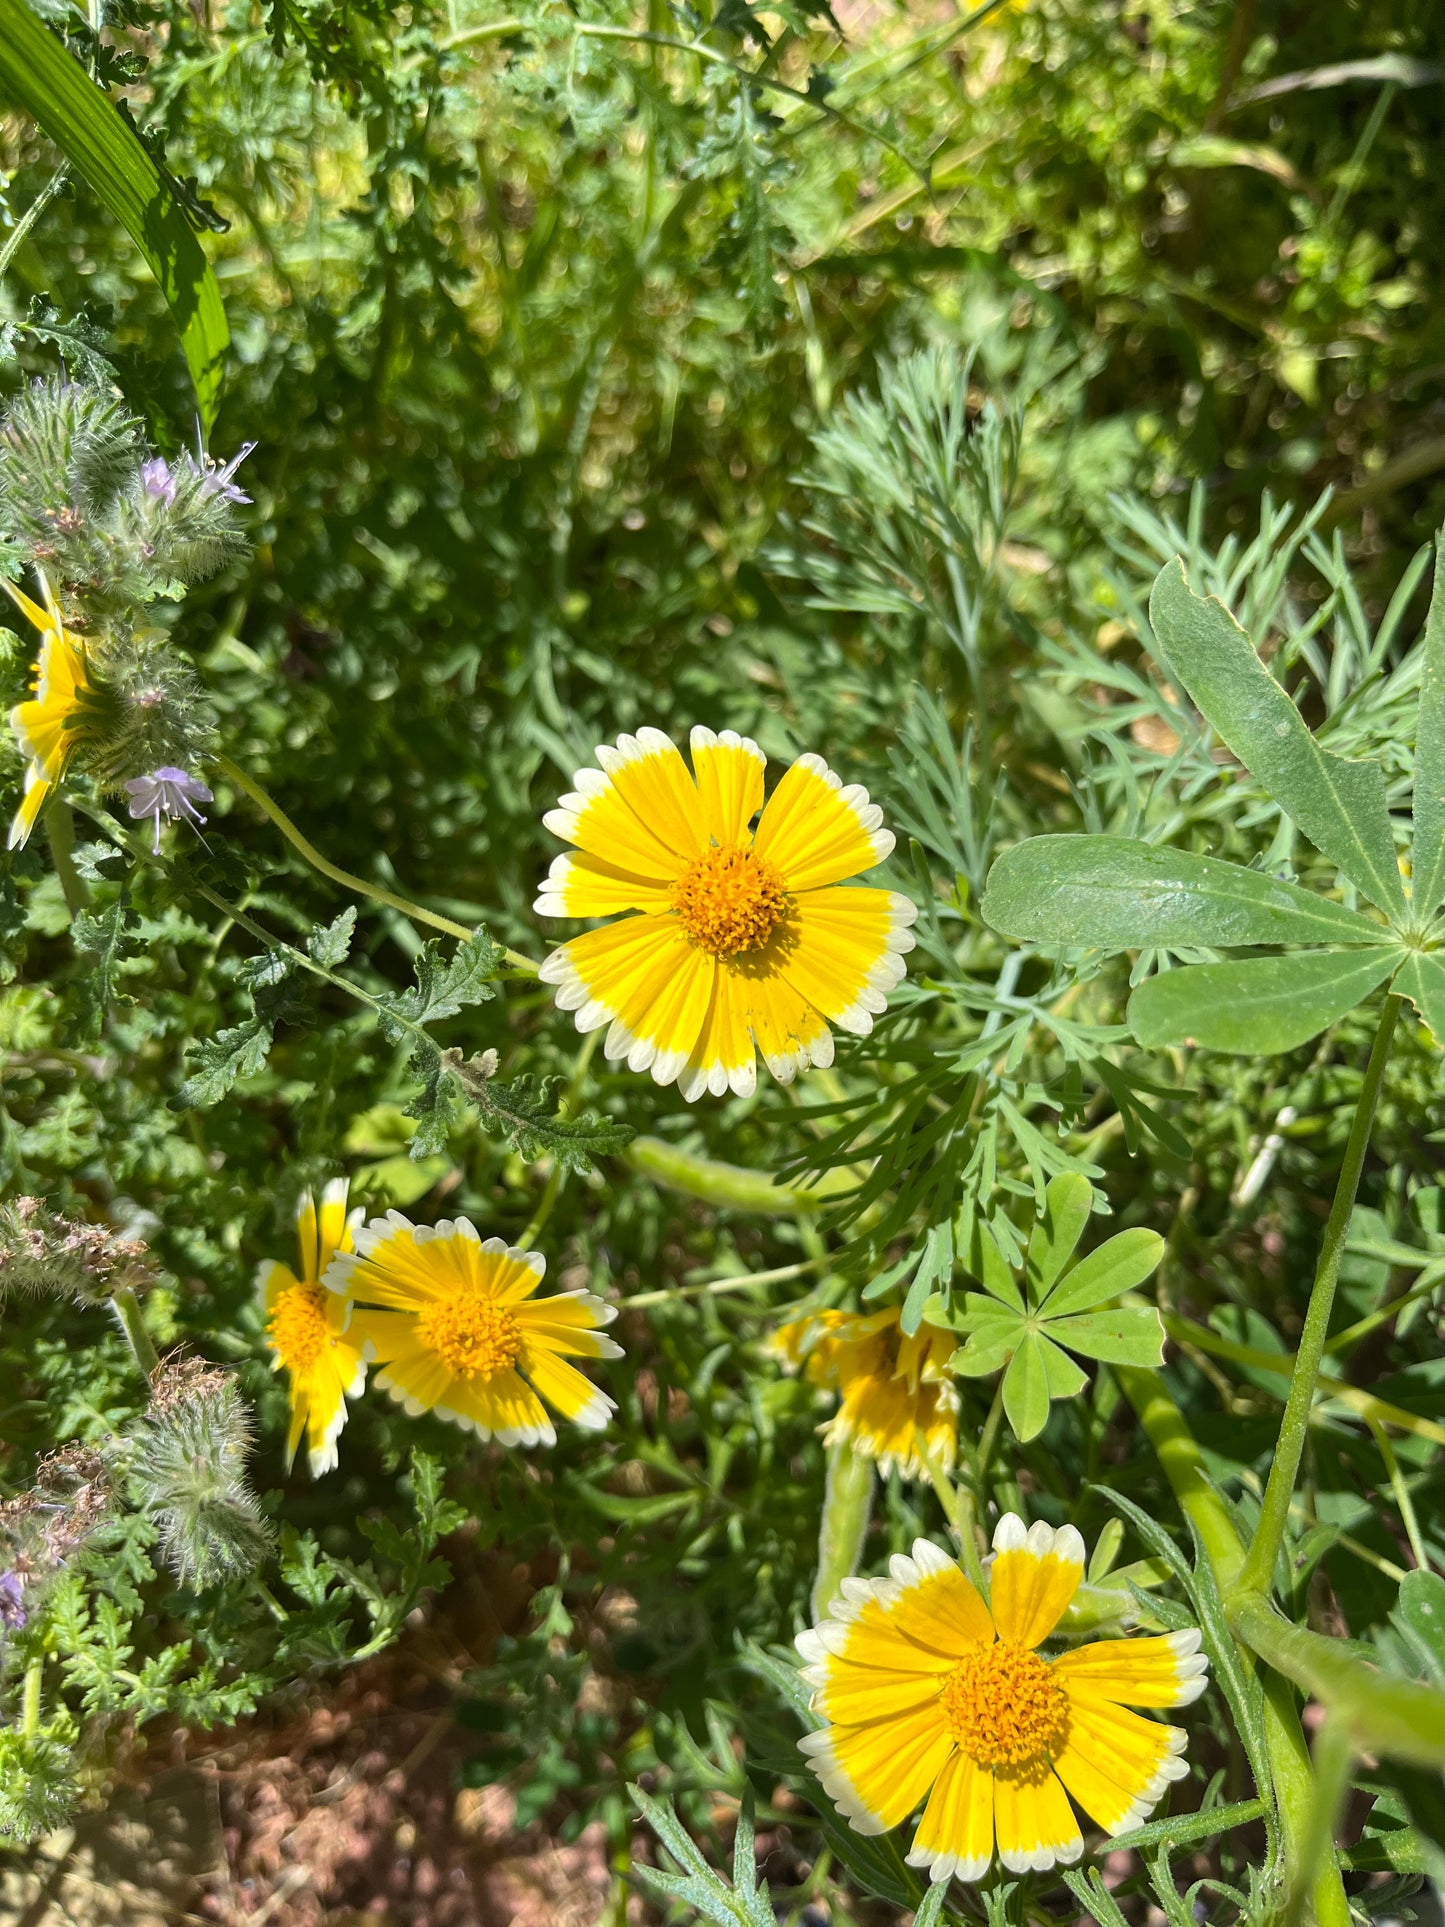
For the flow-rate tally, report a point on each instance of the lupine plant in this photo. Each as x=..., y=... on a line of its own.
x=705, y=933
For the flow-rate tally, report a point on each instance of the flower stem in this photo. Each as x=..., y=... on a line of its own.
x=30, y=1702
x=270, y=807
x=957, y=1505
x=126, y=1307
x=60, y=832
x=986, y=1439
x=1258, y=1573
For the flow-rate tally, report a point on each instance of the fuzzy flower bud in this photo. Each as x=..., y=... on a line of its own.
x=42, y=1253
x=168, y=792
x=188, y=1470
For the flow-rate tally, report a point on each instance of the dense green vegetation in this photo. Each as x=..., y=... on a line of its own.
x=843, y=380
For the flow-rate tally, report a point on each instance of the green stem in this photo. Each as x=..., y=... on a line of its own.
x=268, y=805
x=1258, y=1573
x=957, y=1506
x=31, y=215
x=1291, y=1788
x=847, y=1502
x=1383, y=1714
x=550, y=1194
x=126, y=1307
x=987, y=1438
x=1183, y=1465
x=60, y=830
x=1403, y=1501
x=30, y=1702
x=739, y=1281
x=1333, y=1757
x=732, y=1186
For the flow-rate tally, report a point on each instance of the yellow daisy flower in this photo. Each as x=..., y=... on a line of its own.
x=461, y=1334
x=65, y=698
x=931, y=1693
x=744, y=936
x=306, y=1327
x=898, y=1401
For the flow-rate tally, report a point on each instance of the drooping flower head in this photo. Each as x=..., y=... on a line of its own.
x=931, y=1694
x=306, y=1328
x=744, y=936
x=455, y=1321
x=66, y=701
x=897, y=1399
x=168, y=792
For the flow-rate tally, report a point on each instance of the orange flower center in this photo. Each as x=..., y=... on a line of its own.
x=298, y=1327
x=1004, y=1707
x=728, y=900
x=471, y=1334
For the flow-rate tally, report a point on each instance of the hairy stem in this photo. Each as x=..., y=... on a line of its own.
x=126, y=1307
x=1258, y=1571
x=60, y=832
x=30, y=1701
x=270, y=807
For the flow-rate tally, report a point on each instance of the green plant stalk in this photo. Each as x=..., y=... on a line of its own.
x=1364, y=1404
x=31, y=215
x=732, y=1186
x=1403, y=1502
x=847, y=1502
x=1257, y=1575
x=30, y=1701
x=1291, y=1786
x=269, y=807
x=957, y=1503
x=126, y=1307
x=1332, y=1760
x=60, y=833
x=1383, y=1714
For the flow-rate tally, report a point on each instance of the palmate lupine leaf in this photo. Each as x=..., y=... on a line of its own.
x=1115, y=893
x=1027, y=1324
x=38, y=73
x=1338, y=804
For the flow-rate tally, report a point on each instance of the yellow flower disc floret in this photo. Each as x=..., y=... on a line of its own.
x=297, y=1329
x=474, y=1336
x=1004, y=1707
x=728, y=900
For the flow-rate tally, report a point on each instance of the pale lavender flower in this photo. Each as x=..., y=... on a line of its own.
x=12, y=1602
x=216, y=480
x=168, y=792
x=158, y=481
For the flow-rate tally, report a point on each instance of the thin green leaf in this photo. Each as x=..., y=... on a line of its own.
x=1186, y=1828
x=1113, y=893
x=1258, y=1007
x=1118, y=1265
x=38, y=72
x=1063, y=1377
x=1339, y=805
x=1026, y=1390
x=1125, y=1336
x=1421, y=978
x=1058, y=1228
x=1427, y=858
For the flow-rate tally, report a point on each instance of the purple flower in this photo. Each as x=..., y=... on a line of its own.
x=169, y=792
x=216, y=480
x=12, y=1602
x=158, y=481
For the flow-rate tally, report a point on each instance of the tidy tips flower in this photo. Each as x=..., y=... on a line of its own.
x=306, y=1328
x=744, y=936
x=65, y=701
x=462, y=1334
x=931, y=1694
x=898, y=1403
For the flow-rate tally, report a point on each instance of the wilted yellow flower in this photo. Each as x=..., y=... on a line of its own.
x=897, y=1399
x=745, y=937
x=931, y=1693
x=461, y=1334
x=65, y=699
x=306, y=1329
